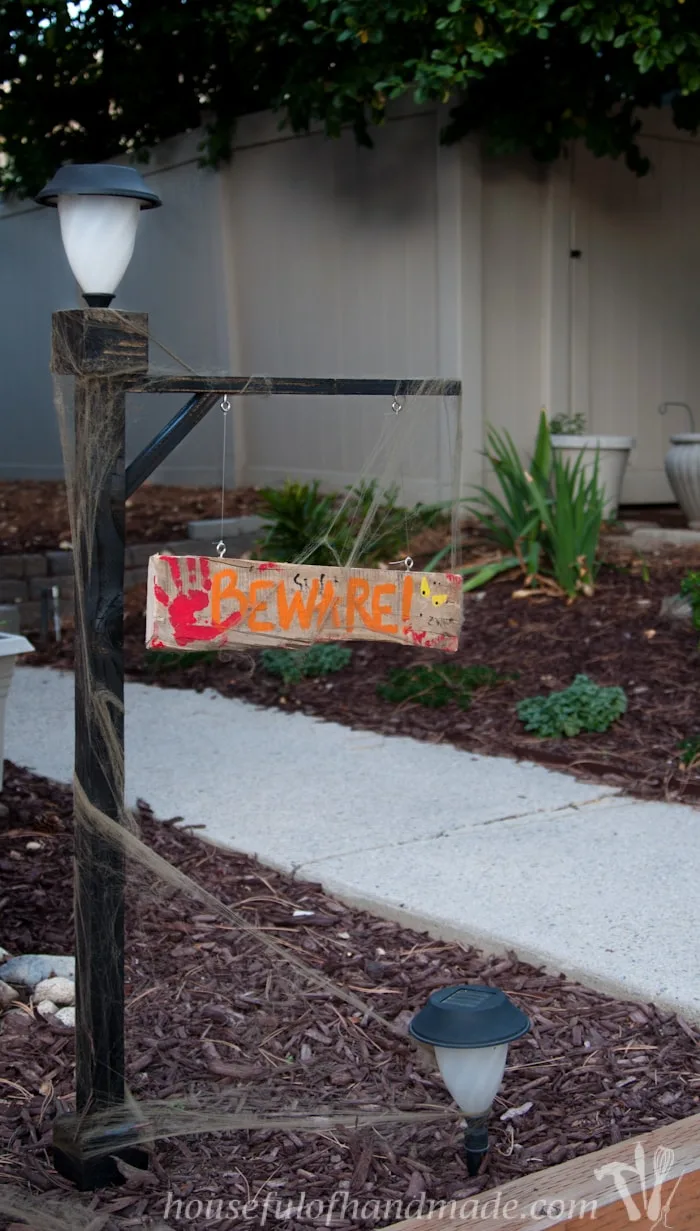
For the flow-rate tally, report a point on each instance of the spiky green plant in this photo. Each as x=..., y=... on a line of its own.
x=546, y=520
x=570, y=523
x=512, y=517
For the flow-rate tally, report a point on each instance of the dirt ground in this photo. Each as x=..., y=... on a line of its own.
x=209, y=1012
x=34, y=515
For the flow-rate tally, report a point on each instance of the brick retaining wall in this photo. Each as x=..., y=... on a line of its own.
x=23, y=578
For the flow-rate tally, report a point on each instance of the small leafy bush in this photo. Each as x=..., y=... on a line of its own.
x=435, y=686
x=297, y=515
x=158, y=662
x=296, y=665
x=690, y=589
x=583, y=706
x=568, y=425
x=689, y=750
x=300, y=517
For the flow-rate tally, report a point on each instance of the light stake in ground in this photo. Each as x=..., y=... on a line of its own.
x=469, y=1026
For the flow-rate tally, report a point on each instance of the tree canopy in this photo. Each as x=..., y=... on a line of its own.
x=88, y=80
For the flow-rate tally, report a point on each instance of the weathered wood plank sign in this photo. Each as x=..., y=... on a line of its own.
x=197, y=603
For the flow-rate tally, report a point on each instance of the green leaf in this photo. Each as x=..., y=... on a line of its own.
x=583, y=706
x=488, y=571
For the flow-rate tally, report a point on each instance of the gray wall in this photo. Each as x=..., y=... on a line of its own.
x=177, y=275
x=311, y=257
x=35, y=281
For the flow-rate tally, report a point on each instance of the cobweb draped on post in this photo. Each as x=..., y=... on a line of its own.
x=214, y=1109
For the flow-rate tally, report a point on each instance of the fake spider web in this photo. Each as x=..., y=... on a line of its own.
x=208, y=1109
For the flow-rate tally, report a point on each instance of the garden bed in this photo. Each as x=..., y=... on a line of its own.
x=538, y=644
x=206, y=1009
x=34, y=515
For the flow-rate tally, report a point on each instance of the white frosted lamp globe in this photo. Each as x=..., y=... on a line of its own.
x=472, y=1075
x=98, y=206
x=98, y=235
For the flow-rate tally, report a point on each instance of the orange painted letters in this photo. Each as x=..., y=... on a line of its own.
x=258, y=606
x=381, y=610
x=302, y=608
x=223, y=586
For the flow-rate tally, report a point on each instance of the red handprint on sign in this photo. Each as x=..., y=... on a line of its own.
x=184, y=606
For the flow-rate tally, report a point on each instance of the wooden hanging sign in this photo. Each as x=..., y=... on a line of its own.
x=196, y=603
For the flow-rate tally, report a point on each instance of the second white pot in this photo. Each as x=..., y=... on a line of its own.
x=682, y=464
x=10, y=646
x=612, y=453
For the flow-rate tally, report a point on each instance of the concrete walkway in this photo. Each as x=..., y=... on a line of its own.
x=482, y=849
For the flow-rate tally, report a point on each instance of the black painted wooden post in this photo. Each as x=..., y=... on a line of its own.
x=99, y=348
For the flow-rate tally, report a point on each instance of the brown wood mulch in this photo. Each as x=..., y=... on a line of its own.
x=34, y=514
x=616, y=638
x=207, y=1010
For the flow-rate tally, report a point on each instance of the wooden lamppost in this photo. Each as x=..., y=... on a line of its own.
x=98, y=209
x=106, y=352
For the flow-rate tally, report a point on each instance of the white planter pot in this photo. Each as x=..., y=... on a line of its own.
x=612, y=453
x=10, y=646
x=682, y=464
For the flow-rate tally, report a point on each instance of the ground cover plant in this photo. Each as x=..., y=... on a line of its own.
x=436, y=684
x=583, y=706
x=295, y=665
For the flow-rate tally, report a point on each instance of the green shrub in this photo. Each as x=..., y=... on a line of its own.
x=436, y=685
x=160, y=661
x=295, y=665
x=546, y=520
x=583, y=706
x=568, y=425
x=690, y=589
x=299, y=517
x=689, y=750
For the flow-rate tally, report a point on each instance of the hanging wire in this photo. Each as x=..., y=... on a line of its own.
x=221, y=546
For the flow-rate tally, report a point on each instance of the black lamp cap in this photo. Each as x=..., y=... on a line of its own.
x=98, y=180
x=468, y=1015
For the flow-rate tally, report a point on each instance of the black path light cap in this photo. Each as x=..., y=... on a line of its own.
x=469, y=1015
x=98, y=180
